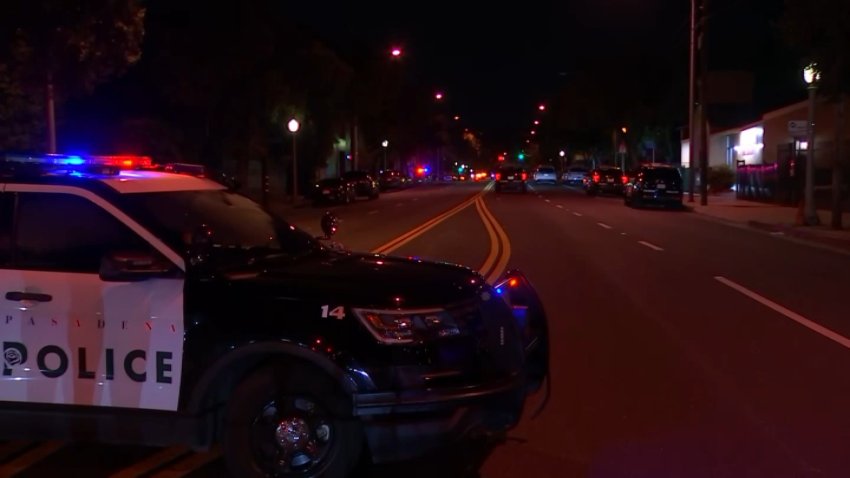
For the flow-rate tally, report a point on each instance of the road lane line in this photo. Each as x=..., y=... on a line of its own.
x=559, y=206
x=577, y=214
x=153, y=462
x=811, y=325
x=548, y=200
x=497, y=271
x=650, y=245
x=604, y=226
x=422, y=228
x=623, y=234
x=189, y=464
x=30, y=458
x=494, y=241
x=373, y=212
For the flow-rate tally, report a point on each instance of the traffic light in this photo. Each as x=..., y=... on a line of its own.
x=501, y=157
x=521, y=156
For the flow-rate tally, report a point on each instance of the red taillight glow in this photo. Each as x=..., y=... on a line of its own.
x=595, y=178
x=513, y=282
x=524, y=176
x=625, y=179
x=498, y=176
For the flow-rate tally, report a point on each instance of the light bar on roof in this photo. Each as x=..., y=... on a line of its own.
x=76, y=164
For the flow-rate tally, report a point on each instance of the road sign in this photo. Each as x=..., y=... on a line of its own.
x=798, y=128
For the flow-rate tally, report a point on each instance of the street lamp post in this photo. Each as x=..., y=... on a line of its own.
x=385, y=144
x=811, y=75
x=293, y=126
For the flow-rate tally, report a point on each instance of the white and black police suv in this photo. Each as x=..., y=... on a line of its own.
x=146, y=306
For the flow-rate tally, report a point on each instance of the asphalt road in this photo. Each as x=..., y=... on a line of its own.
x=682, y=347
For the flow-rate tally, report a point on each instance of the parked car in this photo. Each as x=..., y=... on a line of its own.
x=333, y=190
x=655, y=184
x=364, y=184
x=545, y=174
x=605, y=179
x=575, y=176
x=391, y=179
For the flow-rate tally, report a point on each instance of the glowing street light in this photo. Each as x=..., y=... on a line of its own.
x=395, y=52
x=438, y=95
x=457, y=118
x=561, y=153
x=542, y=107
x=811, y=75
x=624, y=130
x=384, y=144
x=293, y=126
x=536, y=122
x=533, y=132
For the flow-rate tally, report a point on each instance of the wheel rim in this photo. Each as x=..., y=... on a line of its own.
x=292, y=436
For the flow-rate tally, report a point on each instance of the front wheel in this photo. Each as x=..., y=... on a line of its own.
x=290, y=422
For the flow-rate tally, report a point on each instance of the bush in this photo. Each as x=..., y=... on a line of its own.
x=720, y=178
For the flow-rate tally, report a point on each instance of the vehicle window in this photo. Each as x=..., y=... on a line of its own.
x=236, y=221
x=7, y=207
x=68, y=233
x=547, y=170
x=662, y=174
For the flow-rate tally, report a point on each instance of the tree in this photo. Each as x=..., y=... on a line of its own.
x=817, y=30
x=67, y=49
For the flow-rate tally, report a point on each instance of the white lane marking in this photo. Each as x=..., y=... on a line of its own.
x=623, y=234
x=577, y=214
x=813, y=326
x=548, y=200
x=650, y=245
x=604, y=226
x=559, y=206
x=373, y=212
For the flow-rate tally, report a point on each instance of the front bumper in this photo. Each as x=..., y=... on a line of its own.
x=411, y=422
x=404, y=426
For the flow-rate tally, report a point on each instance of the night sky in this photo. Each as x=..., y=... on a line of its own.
x=497, y=60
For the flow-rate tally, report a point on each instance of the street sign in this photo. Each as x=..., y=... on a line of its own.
x=798, y=128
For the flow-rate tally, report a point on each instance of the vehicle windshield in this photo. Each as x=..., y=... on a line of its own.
x=662, y=174
x=236, y=222
x=546, y=170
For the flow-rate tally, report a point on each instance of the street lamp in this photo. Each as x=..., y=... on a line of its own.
x=438, y=96
x=384, y=144
x=810, y=215
x=395, y=52
x=542, y=107
x=457, y=118
x=293, y=127
x=536, y=122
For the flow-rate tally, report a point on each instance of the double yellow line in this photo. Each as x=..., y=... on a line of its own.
x=500, y=245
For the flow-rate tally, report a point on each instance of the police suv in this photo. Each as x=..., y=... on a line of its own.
x=155, y=307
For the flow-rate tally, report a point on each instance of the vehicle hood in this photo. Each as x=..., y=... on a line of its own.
x=366, y=280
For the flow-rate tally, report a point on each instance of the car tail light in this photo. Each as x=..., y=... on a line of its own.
x=524, y=176
x=498, y=176
x=596, y=178
x=625, y=179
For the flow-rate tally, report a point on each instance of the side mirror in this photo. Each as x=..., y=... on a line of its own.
x=329, y=224
x=133, y=266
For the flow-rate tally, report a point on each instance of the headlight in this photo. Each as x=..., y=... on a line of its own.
x=407, y=326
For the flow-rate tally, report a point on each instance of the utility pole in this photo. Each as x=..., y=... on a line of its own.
x=703, y=105
x=51, y=115
x=692, y=136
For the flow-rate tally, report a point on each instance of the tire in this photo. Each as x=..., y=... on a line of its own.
x=310, y=403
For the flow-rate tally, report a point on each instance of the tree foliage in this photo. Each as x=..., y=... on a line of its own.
x=78, y=45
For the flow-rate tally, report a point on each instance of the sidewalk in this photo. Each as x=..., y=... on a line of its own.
x=780, y=220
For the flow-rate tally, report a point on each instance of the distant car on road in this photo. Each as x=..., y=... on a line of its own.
x=575, y=176
x=392, y=179
x=333, y=190
x=655, y=184
x=511, y=178
x=364, y=184
x=605, y=179
x=546, y=174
